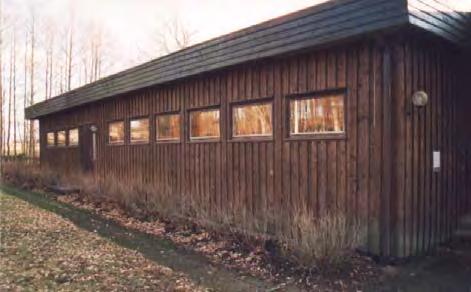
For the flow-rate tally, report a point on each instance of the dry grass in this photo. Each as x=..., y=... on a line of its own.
x=28, y=175
x=313, y=241
x=41, y=251
x=324, y=241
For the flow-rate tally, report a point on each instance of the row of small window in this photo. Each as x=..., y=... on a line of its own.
x=307, y=116
x=63, y=138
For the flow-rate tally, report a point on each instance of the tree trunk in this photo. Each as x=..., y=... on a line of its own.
x=25, y=99
x=32, y=143
x=2, y=136
x=69, y=57
x=14, y=98
x=10, y=91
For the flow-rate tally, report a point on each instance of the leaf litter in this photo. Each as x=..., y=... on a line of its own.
x=40, y=250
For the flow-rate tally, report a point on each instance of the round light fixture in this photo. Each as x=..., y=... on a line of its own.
x=420, y=98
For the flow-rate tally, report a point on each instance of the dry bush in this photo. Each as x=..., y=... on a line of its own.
x=28, y=175
x=325, y=241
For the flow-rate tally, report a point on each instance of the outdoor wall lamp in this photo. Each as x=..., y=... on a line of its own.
x=420, y=98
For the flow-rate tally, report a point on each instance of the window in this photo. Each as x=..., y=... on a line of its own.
x=317, y=115
x=116, y=132
x=252, y=120
x=73, y=137
x=51, y=139
x=61, y=138
x=139, y=130
x=204, y=124
x=168, y=127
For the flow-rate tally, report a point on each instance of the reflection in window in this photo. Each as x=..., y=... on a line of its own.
x=51, y=139
x=139, y=130
x=252, y=120
x=116, y=132
x=73, y=137
x=168, y=127
x=204, y=124
x=61, y=138
x=317, y=115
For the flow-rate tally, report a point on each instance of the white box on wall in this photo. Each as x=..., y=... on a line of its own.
x=436, y=161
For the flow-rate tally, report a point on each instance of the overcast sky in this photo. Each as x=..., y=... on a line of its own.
x=131, y=23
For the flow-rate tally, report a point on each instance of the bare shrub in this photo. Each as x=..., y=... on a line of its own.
x=314, y=241
x=28, y=175
x=325, y=241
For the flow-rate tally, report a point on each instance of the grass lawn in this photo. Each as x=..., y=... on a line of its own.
x=40, y=250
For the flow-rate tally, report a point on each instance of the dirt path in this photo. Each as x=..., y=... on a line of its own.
x=193, y=268
x=447, y=270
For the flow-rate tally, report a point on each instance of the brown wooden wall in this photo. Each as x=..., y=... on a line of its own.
x=427, y=205
x=356, y=175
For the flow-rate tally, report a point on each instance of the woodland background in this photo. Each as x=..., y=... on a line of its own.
x=42, y=56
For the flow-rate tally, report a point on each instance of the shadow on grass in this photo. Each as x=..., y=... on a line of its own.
x=159, y=250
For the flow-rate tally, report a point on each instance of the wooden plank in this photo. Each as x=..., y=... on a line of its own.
x=421, y=165
x=375, y=167
x=294, y=175
x=398, y=151
x=363, y=131
x=303, y=175
x=352, y=103
x=408, y=194
x=386, y=155
x=322, y=179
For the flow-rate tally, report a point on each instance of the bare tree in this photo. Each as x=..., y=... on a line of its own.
x=25, y=96
x=14, y=95
x=2, y=136
x=172, y=36
x=10, y=97
x=48, y=52
x=31, y=91
x=56, y=63
x=69, y=49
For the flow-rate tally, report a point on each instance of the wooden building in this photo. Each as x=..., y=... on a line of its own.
x=353, y=105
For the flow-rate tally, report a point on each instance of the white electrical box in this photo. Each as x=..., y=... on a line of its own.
x=436, y=161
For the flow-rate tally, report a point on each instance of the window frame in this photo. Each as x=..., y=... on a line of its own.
x=68, y=137
x=258, y=101
x=180, y=129
x=342, y=92
x=47, y=140
x=65, y=138
x=204, y=139
x=128, y=126
x=108, y=142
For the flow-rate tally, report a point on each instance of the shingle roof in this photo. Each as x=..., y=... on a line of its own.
x=318, y=25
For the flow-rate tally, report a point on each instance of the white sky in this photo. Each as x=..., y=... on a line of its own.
x=131, y=23
x=132, y=19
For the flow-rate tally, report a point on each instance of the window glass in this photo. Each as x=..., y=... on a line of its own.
x=61, y=138
x=317, y=115
x=73, y=137
x=204, y=124
x=252, y=120
x=168, y=127
x=139, y=130
x=116, y=132
x=51, y=141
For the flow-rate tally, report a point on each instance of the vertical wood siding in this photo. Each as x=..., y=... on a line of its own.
x=350, y=175
x=428, y=204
